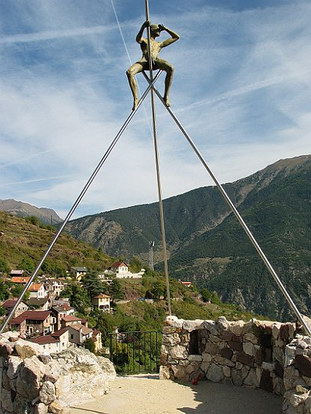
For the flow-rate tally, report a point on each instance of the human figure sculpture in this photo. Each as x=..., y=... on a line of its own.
x=157, y=63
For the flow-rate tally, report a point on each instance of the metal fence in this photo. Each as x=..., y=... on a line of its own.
x=135, y=352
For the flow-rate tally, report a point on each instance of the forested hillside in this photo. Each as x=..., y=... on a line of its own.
x=206, y=244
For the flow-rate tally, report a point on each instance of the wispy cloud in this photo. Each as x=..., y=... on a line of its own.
x=57, y=34
x=241, y=89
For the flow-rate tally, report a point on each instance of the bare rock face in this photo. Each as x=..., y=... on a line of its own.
x=43, y=384
x=82, y=376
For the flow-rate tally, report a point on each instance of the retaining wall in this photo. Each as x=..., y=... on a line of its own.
x=259, y=354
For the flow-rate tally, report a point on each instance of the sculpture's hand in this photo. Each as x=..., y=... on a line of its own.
x=162, y=27
x=147, y=23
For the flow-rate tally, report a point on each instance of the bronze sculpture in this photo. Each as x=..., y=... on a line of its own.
x=157, y=63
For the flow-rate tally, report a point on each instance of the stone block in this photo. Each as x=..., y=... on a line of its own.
x=237, y=327
x=179, y=372
x=223, y=361
x=6, y=400
x=248, y=348
x=226, y=371
x=41, y=409
x=303, y=364
x=236, y=376
x=13, y=364
x=164, y=373
x=215, y=373
x=179, y=352
x=245, y=359
x=250, y=337
x=251, y=380
x=47, y=393
x=226, y=353
x=235, y=346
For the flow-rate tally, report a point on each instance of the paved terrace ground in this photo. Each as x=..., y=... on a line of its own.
x=149, y=395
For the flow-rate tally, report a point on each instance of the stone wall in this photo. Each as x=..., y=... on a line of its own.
x=32, y=383
x=260, y=354
x=297, y=376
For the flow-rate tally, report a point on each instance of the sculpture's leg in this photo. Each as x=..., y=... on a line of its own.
x=130, y=73
x=169, y=69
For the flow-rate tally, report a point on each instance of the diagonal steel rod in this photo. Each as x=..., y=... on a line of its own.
x=78, y=200
x=157, y=163
x=239, y=217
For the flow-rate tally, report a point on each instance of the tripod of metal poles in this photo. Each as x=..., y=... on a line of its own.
x=154, y=92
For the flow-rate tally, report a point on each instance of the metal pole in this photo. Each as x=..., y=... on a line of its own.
x=78, y=200
x=156, y=152
x=240, y=219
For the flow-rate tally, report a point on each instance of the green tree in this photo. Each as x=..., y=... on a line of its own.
x=93, y=285
x=27, y=264
x=116, y=290
x=78, y=297
x=4, y=290
x=135, y=265
x=90, y=345
x=4, y=267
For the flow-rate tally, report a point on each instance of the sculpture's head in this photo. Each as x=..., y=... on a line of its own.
x=155, y=30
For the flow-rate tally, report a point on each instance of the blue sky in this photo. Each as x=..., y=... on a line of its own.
x=241, y=89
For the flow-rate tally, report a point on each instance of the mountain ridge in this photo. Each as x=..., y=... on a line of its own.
x=206, y=243
x=23, y=209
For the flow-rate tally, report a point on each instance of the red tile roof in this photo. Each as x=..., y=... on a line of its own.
x=30, y=315
x=34, y=287
x=43, y=340
x=101, y=296
x=70, y=318
x=9, y=303
x=60, y=332
x=20, y=279
x=118, y=264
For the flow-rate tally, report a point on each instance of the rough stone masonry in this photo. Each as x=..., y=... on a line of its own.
x=32, y=383
x=259, y=354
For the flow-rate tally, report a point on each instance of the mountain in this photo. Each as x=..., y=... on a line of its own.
x=21, y=209
x=22, y=244
x=206, y=243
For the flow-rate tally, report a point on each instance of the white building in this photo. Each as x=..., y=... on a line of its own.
x=102, y=302
x=37, y=290
x=121, y=270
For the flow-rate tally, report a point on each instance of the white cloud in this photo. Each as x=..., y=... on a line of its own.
x=241, y=90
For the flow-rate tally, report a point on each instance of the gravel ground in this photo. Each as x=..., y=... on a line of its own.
x=149, y=395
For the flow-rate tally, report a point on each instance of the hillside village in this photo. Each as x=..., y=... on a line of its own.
x=47, y=318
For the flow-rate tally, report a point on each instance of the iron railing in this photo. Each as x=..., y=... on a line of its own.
x=135, y=352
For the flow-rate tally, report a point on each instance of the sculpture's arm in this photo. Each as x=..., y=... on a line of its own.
x=139, y=36
x=174, y=36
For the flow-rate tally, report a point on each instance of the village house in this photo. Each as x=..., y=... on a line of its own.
x=70, y=320
x=21, y=280
x=79, y=333
x=9, y=304
x=32, y=323
x=55, y=342
x=102, y=302
x=60, y=311
x=79, y=272
x=18, y=272
x=36, y=290
x=54, y=287
x=39, y=304
x=121, y=271
x=186, y=284
x=97, y=339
